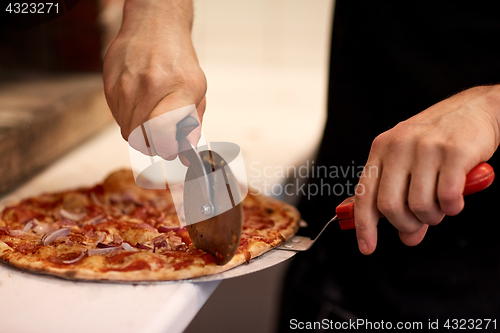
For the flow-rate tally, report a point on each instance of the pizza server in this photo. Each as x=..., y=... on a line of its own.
x=477, y=179
x=212, y=205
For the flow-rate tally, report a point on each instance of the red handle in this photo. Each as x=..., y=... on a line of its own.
x=477, y=180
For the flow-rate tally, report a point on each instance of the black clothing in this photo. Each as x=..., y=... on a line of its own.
x=389, y=61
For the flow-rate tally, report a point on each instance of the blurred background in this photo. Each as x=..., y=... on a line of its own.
x=266, y=64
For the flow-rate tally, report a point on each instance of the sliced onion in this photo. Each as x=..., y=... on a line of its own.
x=16, y=232
x=165, y=228
x=95, y=220
x=147, y=226
x=100, y=239
x=161, y=218
x=73, y=261
x=159, y=238
x=94, y=252
x=30, y=225
x=65, y=222
x=128, y=247
x=72, y=216
x=104, y=246
x=95, y=199
x=53, y=235
x=131, y=197
x=142, y=247
x=115, y=198
x=42, y=228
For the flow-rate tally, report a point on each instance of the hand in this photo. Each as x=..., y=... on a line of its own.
x=151, y=68
x=415, y=173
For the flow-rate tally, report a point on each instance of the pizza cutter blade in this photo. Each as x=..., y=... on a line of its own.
x=214, y=221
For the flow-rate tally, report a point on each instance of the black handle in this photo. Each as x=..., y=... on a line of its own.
x=186, y=126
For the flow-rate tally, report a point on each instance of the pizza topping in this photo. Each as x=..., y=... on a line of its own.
x=135, y=266
x=73, y=261
x=51, y=236
x=160, y=218
x=128, y=247
x=165, y=229
x=105, y=246
x=258, y=223
x=118, y=258
x=174, y=241
x=63, y=223
x=16, y=233
x=74, y=201
x=26, y=248
x=117, y=239
x=94, y=252
x=132, y=197
x=101, y=238
x=142, y=247
x=95, y=220
x=72, y=216
x=95, y=199
x=42, y=228
x=22, y=214
x=159, y=242
x=147, y=226
x=136, y=235
x=30, y=225
x=4, y=231
x=140, y=213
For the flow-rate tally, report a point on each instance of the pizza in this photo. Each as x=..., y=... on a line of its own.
x=117, y=231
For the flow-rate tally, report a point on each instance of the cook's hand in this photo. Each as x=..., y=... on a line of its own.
x=415, y=173
x=151, y=68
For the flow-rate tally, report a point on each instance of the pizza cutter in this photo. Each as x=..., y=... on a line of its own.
x=214, y=221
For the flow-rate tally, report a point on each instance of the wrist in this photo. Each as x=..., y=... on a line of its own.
x=167, y=16
x=490, y=103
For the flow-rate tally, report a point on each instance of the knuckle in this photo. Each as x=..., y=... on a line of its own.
x=419, y=206
x=151, y=78
x=454, y=150
x=387, y=206
x=378, y=142
x=449, y=197
x=426, y=145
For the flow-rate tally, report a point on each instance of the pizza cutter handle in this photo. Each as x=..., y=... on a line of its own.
x=476, y=180
x=186, y=126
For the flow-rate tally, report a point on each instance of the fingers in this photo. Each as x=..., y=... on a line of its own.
x=414, y=238
x=365, y=206
x=422, y=195
x=450, y=188
x=393, y=196
x=164, y=128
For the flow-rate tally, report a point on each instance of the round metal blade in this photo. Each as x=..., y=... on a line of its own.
x=218, y=233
